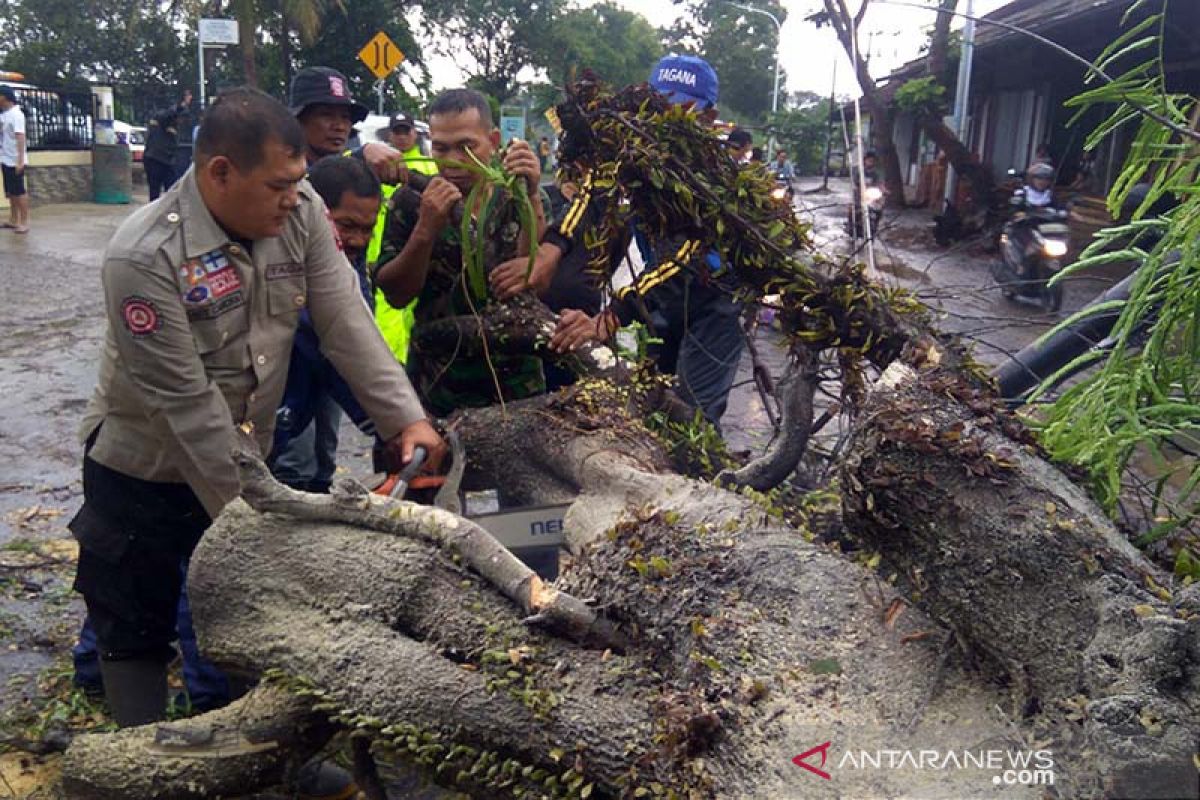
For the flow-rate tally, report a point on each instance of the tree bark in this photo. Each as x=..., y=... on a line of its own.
x=257, y=740
x=845, y=25
x=966, y=164
x=796, y=392
x=748, y=644
x=747, y=641
x=248, y=35
x=1012, y=556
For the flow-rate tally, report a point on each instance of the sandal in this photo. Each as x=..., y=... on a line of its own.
x=21, y=229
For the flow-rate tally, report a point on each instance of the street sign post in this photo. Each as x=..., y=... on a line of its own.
x=512, y=123
x=382, y=56
x=213, y=33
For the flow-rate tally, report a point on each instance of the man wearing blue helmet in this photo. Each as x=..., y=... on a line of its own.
x=681, y=292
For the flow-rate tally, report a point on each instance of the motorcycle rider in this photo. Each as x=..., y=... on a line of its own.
x=1036, y=195
x=1038, y=189
x=783, y=168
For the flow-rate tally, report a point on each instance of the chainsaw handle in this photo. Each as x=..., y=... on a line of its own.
x=410, y=470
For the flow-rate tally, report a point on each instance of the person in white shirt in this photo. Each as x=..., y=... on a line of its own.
x=12, y=160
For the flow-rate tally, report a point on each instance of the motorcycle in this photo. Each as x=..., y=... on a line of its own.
x=1032, y=245
x=783, y=191
x=872, y=200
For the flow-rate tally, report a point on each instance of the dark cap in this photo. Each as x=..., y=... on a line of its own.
x=740, y=137
x=401, y=120
x=8, y=94
x=314, y=86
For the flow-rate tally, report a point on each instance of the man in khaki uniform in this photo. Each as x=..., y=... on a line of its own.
x=203, y=289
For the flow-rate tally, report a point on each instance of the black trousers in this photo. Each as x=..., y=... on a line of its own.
x=133, y=535
x=159, y=176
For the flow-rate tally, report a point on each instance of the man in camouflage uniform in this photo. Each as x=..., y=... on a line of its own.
x=421, y=255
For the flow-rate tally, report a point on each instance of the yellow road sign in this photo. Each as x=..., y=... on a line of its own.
x=381, y=55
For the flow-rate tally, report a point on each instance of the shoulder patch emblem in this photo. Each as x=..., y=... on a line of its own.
x=223, y=282
x=141, y=316
x=192, y=271
x=218, y=308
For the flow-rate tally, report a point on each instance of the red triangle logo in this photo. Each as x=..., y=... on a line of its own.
x=801, y=760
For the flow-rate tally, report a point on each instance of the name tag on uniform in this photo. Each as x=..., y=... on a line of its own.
x=291, y=269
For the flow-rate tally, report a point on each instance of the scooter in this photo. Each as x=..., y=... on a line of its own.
x=1032, y=245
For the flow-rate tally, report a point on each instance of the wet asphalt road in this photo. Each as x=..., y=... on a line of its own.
x=51, y=325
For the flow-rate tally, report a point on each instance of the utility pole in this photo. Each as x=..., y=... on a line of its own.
x=778, y=45
x=829, y=132
x=962, y=93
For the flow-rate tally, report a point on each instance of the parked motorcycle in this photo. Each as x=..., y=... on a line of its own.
x=1032, y=245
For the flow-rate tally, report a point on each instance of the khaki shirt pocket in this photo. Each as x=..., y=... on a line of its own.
x=287, y=295
x=220, y=337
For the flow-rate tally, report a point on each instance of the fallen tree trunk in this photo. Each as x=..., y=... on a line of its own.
x=749, y=644
x=746, y=651
x=1014, y=557
x=258, y=740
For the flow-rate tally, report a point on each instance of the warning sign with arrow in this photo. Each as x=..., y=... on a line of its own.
x=381, y=55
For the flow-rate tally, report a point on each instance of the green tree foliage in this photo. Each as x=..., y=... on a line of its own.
x=344, y=31
x=801, y=129
x=1141, y=407
x=122, y=42
x=493, y=40
x=147, y=50
x=740, y=45
x=618, y=45
x=921, y=96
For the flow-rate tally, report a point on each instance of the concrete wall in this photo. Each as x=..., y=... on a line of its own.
x=57, y=176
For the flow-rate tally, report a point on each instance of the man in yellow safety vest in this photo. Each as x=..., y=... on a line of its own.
x=396, y=323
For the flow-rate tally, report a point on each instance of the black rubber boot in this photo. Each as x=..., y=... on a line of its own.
x=324, y=780
x=136, y=691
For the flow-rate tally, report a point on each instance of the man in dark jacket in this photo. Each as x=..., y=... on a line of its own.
x=351, y=194
x=319, y=97
x=161, y=136
x=681, y=292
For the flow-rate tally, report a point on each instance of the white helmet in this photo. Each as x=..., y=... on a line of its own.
x=1041, y=170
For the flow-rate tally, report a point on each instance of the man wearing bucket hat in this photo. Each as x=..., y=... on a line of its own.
x=320, y=99
x=681, y=291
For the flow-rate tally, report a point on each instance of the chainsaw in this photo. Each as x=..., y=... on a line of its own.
x=533, y=534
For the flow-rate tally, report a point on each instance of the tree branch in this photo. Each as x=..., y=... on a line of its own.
x=352, y=504
x=795, y=392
